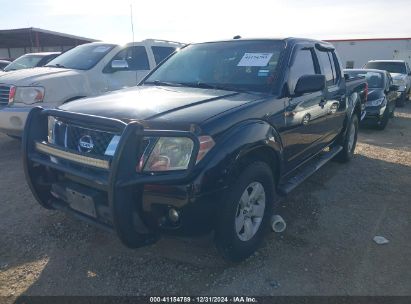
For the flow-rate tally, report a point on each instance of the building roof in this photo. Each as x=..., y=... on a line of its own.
x=365, y=39
x=25, y=37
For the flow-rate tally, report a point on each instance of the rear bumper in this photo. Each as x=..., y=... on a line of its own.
x=135, y=205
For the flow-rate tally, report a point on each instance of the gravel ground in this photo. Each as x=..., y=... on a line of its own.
x=327, y=248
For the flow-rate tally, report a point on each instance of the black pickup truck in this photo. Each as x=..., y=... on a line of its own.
x=210, y=140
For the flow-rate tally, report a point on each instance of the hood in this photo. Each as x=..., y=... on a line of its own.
x=34, y=76
x=374, y=94
x=154, y=103
x=398, y=75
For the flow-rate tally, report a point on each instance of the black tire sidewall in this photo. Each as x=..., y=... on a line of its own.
x=384, y=120
x=226, y=238
x=353, y=123
x=345, y=155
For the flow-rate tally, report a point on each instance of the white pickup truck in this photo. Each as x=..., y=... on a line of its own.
x=86, y=70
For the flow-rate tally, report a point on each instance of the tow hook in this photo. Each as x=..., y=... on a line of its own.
x=277, y=223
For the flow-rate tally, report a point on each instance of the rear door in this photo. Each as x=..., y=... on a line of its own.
x=334, y=99
x=305, y=117
x=138, y=67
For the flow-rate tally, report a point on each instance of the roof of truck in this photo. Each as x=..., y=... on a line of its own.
x=389, y=60
x=287, y=39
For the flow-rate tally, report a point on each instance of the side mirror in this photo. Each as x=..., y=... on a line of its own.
x=346, y=76
x=309, y=84
x=394, y=87
x=117, y=65
x=409, y=74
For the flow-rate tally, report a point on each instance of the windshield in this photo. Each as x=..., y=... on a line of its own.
x=234, y=65
x=82, y=57
x=24, y=62
x=392, y=67
x=374, y=79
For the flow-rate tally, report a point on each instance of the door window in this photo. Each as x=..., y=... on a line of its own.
x=136, y=57
x=326, y=67
x=303, y=65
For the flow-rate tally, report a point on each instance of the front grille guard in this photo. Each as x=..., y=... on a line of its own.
x=118, y=180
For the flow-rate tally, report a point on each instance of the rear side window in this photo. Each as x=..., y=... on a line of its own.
x=161, y=52
x=326, y=66
x=335, y=62
x=303, y=65
x=136, y=57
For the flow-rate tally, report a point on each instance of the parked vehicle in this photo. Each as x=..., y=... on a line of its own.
x=208, y=140
x=400, y=73
x=31, y=60
x=3, y=64
x=86, y=70
x=382, y=95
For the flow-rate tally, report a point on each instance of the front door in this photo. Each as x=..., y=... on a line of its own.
x=138, y=66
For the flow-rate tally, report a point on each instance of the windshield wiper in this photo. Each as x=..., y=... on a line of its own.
x=57, y=65
x=164, y=83
x=214, y=87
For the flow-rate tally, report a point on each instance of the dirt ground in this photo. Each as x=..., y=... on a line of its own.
x=327, y=248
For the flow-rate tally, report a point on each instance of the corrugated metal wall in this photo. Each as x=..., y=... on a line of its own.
x=359, y=52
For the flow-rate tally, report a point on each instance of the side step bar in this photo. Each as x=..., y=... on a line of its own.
x=307, y=170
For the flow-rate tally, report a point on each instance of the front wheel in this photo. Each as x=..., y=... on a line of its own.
x=349, y=141
x=246, y=212
x=382, y=123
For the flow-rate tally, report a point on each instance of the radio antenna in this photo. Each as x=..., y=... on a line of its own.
x=131, y=19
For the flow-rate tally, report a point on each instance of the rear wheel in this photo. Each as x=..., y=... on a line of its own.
x=247, y=209
x=349, y=141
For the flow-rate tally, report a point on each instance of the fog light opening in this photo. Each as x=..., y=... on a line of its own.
x=173, y=215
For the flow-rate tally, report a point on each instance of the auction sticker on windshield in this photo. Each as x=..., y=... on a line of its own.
x=255, y=59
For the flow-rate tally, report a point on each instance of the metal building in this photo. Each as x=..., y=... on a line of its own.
x=16, y=42
x=355, y=53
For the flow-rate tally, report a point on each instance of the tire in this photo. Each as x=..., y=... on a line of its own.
x=381, y=124
x=349, y=141
x=235, y=220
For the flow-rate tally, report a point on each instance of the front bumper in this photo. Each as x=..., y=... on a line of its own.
x=108, y=191
x=373, y=114
x=13, y=119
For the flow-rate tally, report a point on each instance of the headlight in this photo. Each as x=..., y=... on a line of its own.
x=29, y=95
x=400, y=82
x=375, y=103
x=50, y=129
x=170, y=154
x=174, y=153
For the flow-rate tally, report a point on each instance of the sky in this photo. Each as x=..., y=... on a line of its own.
x=195, y=21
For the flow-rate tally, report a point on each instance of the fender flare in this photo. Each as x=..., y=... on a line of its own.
x=221, y=165
x=352, y=104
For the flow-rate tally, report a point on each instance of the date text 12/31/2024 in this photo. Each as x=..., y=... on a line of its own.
x=203, y=299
